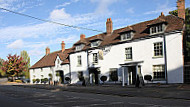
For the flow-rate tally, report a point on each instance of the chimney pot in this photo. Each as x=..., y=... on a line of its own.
x=47, y=50
x=63, y=46
x=109, y=26
x=82, y=36
x=181, y=8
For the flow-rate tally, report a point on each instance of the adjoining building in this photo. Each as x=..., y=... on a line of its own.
x=153, y=47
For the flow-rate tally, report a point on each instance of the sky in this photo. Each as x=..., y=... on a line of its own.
x=19, y=33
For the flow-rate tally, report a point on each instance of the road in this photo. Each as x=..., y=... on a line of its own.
x=14, y=96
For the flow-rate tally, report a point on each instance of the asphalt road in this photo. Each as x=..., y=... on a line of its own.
x=14, y=96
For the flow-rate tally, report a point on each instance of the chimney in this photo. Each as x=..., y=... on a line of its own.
x=181, y=8
x=82, y=36
x=62, y=46
x=47, y=51
x=109, y=26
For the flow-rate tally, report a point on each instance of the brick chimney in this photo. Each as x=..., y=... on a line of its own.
x=47, y=51
x=82, y=36
x=62, y=46
x=181, y=8
x=109, y=26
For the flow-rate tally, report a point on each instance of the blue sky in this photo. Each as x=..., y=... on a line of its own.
x=19, y=33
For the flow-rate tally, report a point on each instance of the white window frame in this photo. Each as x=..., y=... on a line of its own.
x=158, y=49
x=157, y=29
x=126, y=36
x=79, y=47
x=79, y=60
x=95, y=58
x=128, y=52
x=95, y=43
x=158, y=72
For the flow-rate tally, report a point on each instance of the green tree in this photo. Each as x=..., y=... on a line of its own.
x=14, y=66
x=1, y=71
x=26, y=58
x=187, y=27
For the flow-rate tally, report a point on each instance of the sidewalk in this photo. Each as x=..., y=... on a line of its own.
x=154, y=91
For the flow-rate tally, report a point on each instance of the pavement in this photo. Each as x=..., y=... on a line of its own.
x=173, y=91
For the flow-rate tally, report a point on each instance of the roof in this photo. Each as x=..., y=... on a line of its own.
x=49, y=60
x=141, y=30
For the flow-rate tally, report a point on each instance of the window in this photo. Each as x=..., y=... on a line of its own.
x=79, y=60
x=158, y=49
x=128, y=53
x=79, y=47
x=158, y=72
x=95, y=43
x=126, y=36
x=95, y=58
x=80, y=76
x=113, y=74
x=157, y=29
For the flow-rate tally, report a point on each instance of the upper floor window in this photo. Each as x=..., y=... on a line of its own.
x=158, y=72
x=79, y=47
x=126, y=36
x=95, y=58
x=79, y=61
x=95, y=43
x=128, y=53
x=158, y=49
x=157, y=29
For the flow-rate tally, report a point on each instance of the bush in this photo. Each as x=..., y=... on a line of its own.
x=50, y=75
x=103, y=78
x=148, y=77
x=67, y=79
x=37, y=80
x=45, y=80
x=18, y=81
x=33, y=80
x=42, y=80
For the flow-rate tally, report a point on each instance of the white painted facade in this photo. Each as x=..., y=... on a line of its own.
x=142, y=51
x=41, y=73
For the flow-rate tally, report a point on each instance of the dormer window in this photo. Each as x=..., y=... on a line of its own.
x=157, y=29
x=126, y=36
x=79, y=47
x=95, y=43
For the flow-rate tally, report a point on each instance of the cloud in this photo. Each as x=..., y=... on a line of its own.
x=161, y=8
x=66, y=3
x=130, y=10
x=16, y=44
x=59, y=14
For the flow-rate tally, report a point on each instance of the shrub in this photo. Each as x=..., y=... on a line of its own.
x=33, y=80
x=45, y=80
x=148, y=77
x=50, y=75
x=18, y=81
x=103, y=78
x=37, y=80
x=42, y=80
x=67, y=79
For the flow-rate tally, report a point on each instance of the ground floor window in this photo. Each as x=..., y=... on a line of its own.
x=80, y=76
x=158, y=72
x=113, y=74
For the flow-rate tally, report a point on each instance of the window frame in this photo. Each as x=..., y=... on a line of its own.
x=158, y=50
x=97, y=42
x=126, y=36
x=128, y=53
x=79, y=60
x=156, y=29
x=79, y=47
x=159, y=74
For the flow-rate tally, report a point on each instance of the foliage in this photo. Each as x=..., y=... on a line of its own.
x=33, y=80
x=42, y=80
x=103, y=78
x=148, y=77
x=1, y=71
x=67, y=78
x=14, y=66
x=45, y=80
x=37, y=80
x=57, y=74
x=26, y=59
x=18, y=81
x=50, y=75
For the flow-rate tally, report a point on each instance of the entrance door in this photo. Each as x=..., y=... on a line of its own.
x=132, y=75
x=61, y=77
x=94, y=76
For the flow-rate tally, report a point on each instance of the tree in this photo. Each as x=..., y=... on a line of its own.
x=1, y=71
x=26, y=59
x=187, y=27
x=14, y=66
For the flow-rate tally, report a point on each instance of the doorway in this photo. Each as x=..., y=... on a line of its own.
x=61, y=76
x=94, y=75
x=132, y=75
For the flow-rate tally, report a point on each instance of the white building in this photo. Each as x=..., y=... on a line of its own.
x=55, y=64
x=153, y=47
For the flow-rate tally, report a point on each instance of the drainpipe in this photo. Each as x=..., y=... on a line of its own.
x=88, y=65
x=165, y=58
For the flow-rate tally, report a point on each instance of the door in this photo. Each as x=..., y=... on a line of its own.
x=132, y=75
